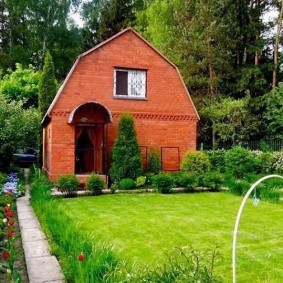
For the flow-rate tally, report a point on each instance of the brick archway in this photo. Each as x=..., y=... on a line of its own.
x=89, y=120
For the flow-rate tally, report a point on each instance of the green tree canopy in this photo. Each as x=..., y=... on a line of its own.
x=21, y=85
x=19, y=128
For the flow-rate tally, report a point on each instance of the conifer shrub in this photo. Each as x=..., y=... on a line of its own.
x=164, y=182
x=95, y=184
x=127, y=184
x=239, y=161
x=68, y=185
x=154, y=163
x=126, y=156
x=196, y=162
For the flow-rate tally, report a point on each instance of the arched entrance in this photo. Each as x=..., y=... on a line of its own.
x=89, y=120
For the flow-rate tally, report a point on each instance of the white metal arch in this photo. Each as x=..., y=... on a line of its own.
x=238, y=220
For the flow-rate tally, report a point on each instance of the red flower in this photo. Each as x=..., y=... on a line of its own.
x=81, y=257
x=11, y=234
x=10, y=223
x=9, y=214
x=7, y=208
x=6, y=255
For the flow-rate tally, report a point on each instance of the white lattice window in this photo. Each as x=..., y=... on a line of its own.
x=130, y=83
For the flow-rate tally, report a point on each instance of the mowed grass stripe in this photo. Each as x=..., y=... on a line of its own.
x=144, y=227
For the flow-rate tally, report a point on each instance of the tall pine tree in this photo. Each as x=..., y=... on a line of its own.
x=47, y=84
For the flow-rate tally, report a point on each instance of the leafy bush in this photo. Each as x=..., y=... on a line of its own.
x=68, y=184
x=277, y=165
x=126, y=155
x=154, y=163
x=195, y=161
x=217, y=159
x=140, y=181
x=164, y=182
x=127, y=184
x=186, y=180
x=263, y=162
x=239, y=161
x=95, y=184
x=213, y=180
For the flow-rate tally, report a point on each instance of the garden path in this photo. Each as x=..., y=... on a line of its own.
x=41, y=265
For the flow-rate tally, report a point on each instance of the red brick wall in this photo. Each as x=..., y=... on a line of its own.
x=165, y=119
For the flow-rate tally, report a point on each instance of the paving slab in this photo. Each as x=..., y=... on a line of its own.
x=29, y=223
x=33, y=234
x=36, y=249
x=44, y=268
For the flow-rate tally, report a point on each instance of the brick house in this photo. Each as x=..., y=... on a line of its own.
x=122, y=74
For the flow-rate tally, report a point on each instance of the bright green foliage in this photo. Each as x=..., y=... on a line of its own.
x=19, y=128
x=186, y=180
x=21, y=85
x=140, y=181
x=239, y=161
x=47, y=84
x=68, y=184
x=126, y=155
x=127, y=184
x=196, y=162
x=274, y=112
x=154, y=163
x=164, y=182
x=95, y=184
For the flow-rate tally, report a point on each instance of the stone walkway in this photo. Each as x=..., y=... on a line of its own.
x=42, y=267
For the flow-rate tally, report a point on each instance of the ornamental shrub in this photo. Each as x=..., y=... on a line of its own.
x=164, y=182
x=196, y=162
x=239, y=161
x=95, y=184
x=213, y=180
x=3, y=179
x=217, y=159
x=68, y=184
x=263, y=162
x=126, y=155
x=127, y=184
x=277, y=164
x=154, y=163
x=140, y=181
x=186, y=180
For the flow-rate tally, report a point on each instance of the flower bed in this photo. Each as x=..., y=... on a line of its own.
x=9, y=239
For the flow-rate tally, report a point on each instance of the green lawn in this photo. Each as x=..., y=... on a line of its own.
x=143, y=227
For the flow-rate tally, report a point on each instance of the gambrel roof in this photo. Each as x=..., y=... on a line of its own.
x=46, y=118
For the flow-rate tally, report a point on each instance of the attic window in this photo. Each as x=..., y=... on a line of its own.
x=130, y=83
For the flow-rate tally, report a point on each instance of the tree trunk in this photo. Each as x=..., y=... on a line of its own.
x=276, y=46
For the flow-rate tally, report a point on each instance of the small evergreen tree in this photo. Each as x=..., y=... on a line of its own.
x=154, y=163
x=47, y=84
x=126, y=155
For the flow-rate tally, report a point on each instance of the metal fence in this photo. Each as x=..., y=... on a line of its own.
x=263, y=145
